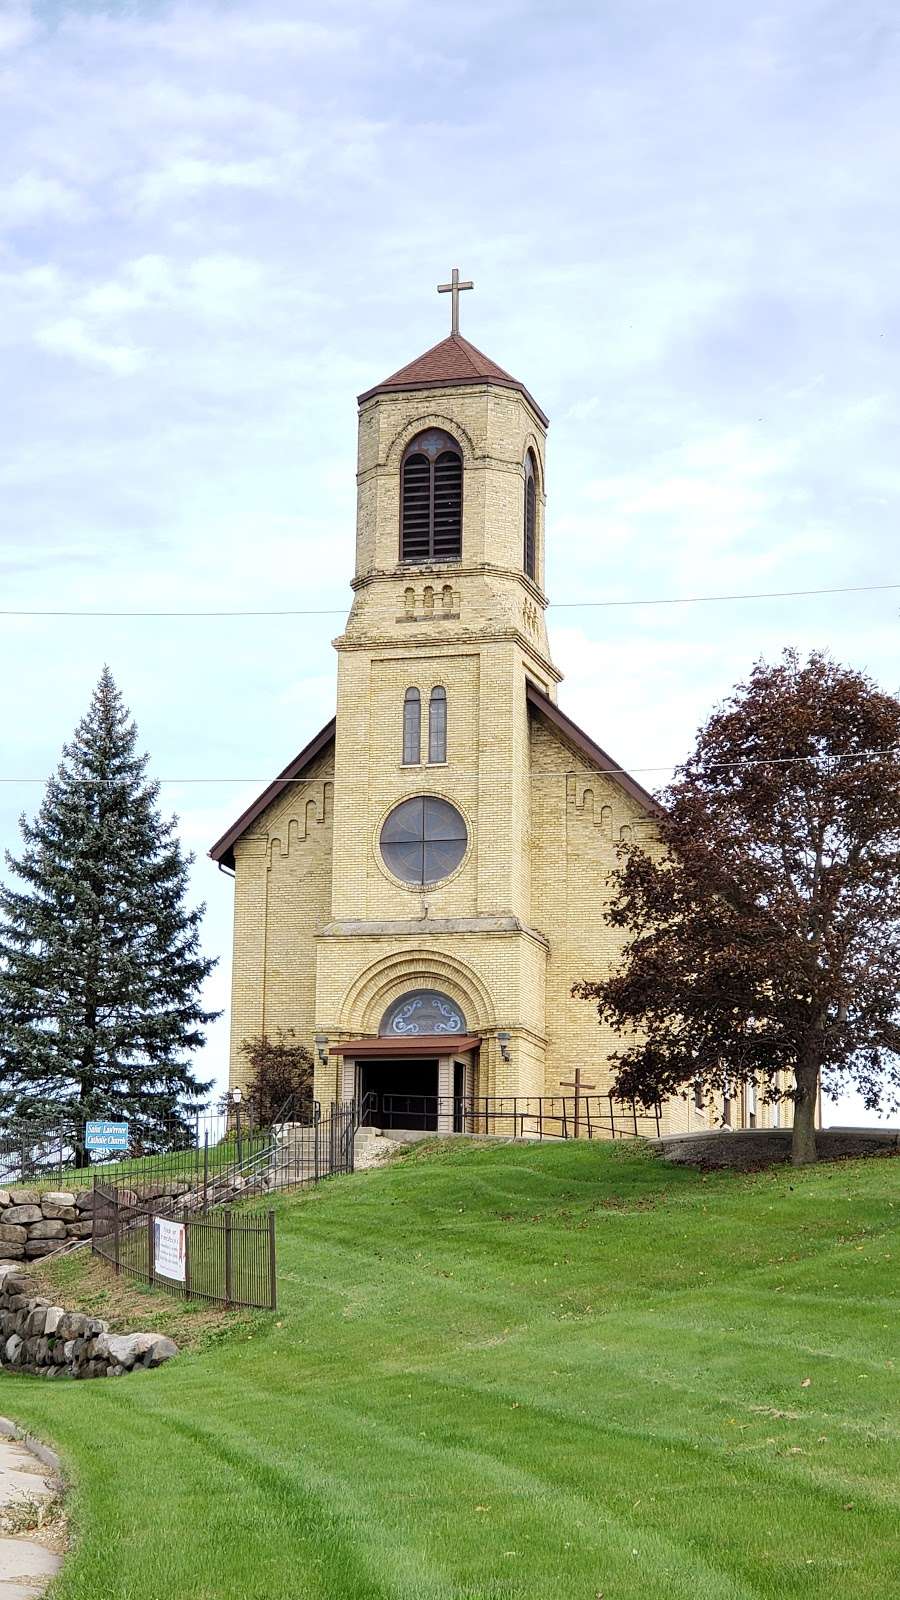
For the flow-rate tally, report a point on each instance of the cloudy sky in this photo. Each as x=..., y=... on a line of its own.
x=220, y=222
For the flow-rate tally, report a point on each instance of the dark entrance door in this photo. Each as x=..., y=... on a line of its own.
x=399, y=1094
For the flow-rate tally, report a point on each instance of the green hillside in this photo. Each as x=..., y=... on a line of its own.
x=518, y=1371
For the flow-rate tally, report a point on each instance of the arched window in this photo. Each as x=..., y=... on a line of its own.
x=427, y=1011
x=412, y=728
x=530, y=516
x=437, y=725
x=431, y=498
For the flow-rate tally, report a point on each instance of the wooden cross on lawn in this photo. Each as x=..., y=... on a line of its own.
x=453, y=288
x=580, y=1089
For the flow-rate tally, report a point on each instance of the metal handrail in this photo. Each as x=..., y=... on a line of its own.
x=541, y=1116
x=365, y=1105
x=283, y=1114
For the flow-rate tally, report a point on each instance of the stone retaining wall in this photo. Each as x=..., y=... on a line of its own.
x=50, y=1342
x=33, y=1224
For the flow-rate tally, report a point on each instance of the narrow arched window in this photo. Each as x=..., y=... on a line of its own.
x=431, y=498
x=530, y=516
x=412, y=728
x=437, y=725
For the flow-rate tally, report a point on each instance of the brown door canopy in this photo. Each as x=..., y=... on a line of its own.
x=420, y=1044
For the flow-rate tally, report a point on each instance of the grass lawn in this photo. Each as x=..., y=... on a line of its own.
x=517, y=1371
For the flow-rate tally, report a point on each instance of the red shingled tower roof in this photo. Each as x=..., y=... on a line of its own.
x=453, y=361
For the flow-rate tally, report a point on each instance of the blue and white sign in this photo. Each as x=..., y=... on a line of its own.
x=106, y=1135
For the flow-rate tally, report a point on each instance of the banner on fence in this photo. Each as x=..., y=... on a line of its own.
x=106, y=1135
x=169, y=1239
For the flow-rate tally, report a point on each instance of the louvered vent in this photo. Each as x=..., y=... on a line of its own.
x=447, y=513
x=416, y=540
x=431, y=499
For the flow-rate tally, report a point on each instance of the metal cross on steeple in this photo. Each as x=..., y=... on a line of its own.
x=453, y=288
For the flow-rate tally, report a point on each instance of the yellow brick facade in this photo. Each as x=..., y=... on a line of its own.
x=325, y=937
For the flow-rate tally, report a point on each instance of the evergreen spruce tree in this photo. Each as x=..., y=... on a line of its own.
x=100, y=969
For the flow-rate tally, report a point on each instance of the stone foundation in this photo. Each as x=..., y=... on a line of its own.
x=50, y=1342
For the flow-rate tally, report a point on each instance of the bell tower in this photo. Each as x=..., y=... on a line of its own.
x=432, y=780
x=452, y=403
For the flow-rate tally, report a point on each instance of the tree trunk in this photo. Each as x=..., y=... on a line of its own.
x=803, y=1142
x=82, y=1155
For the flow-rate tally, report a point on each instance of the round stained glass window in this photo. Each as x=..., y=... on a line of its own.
x=423, y=840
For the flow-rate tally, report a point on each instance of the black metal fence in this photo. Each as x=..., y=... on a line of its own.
x=585, y=1116
x=190, y=1150
x=194, y=1243
x=226, y=1257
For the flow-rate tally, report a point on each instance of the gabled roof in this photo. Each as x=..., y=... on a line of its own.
x=223, y=850
x=453, y=361
x=598, y=758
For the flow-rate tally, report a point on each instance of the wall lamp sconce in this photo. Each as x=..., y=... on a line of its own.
x=503, y=1042
x=322, y=1048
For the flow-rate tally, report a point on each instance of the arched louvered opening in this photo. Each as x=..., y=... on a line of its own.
x=412, y=728
x=530, y=530
x=437, y=725
x=431, y=499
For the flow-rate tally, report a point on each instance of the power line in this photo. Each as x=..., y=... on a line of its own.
x=90, y=616
x=706, y=599
x=552, y=605
x=862, y=757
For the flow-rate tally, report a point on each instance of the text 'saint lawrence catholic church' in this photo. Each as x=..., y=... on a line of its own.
x=417, y=893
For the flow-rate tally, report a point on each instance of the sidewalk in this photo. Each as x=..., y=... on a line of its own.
x=26, y=1563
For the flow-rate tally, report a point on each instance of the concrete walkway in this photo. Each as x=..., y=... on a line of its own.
x=26, y=1563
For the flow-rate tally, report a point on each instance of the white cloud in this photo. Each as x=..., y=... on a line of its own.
x=34, y=284
x=17, y=26
x=34, y=197
x=71, y=337
x=199, y=36
x=214, y=285
x=224, y=285
x=185, y=176
x=149, y=280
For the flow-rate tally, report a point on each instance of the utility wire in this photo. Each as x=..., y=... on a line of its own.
x=552, y=605
x=706, y=599
x=862, y=757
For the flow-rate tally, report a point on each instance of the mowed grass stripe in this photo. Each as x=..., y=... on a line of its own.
x=520, y=1372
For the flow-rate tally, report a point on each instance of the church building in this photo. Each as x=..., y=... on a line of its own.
x=417, y=892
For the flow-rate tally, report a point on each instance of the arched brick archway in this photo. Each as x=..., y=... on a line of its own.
x=402, y=1075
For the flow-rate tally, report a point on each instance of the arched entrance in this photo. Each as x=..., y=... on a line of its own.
x=418, y=1071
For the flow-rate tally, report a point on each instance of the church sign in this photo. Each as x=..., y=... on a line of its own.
x=102, y=1135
